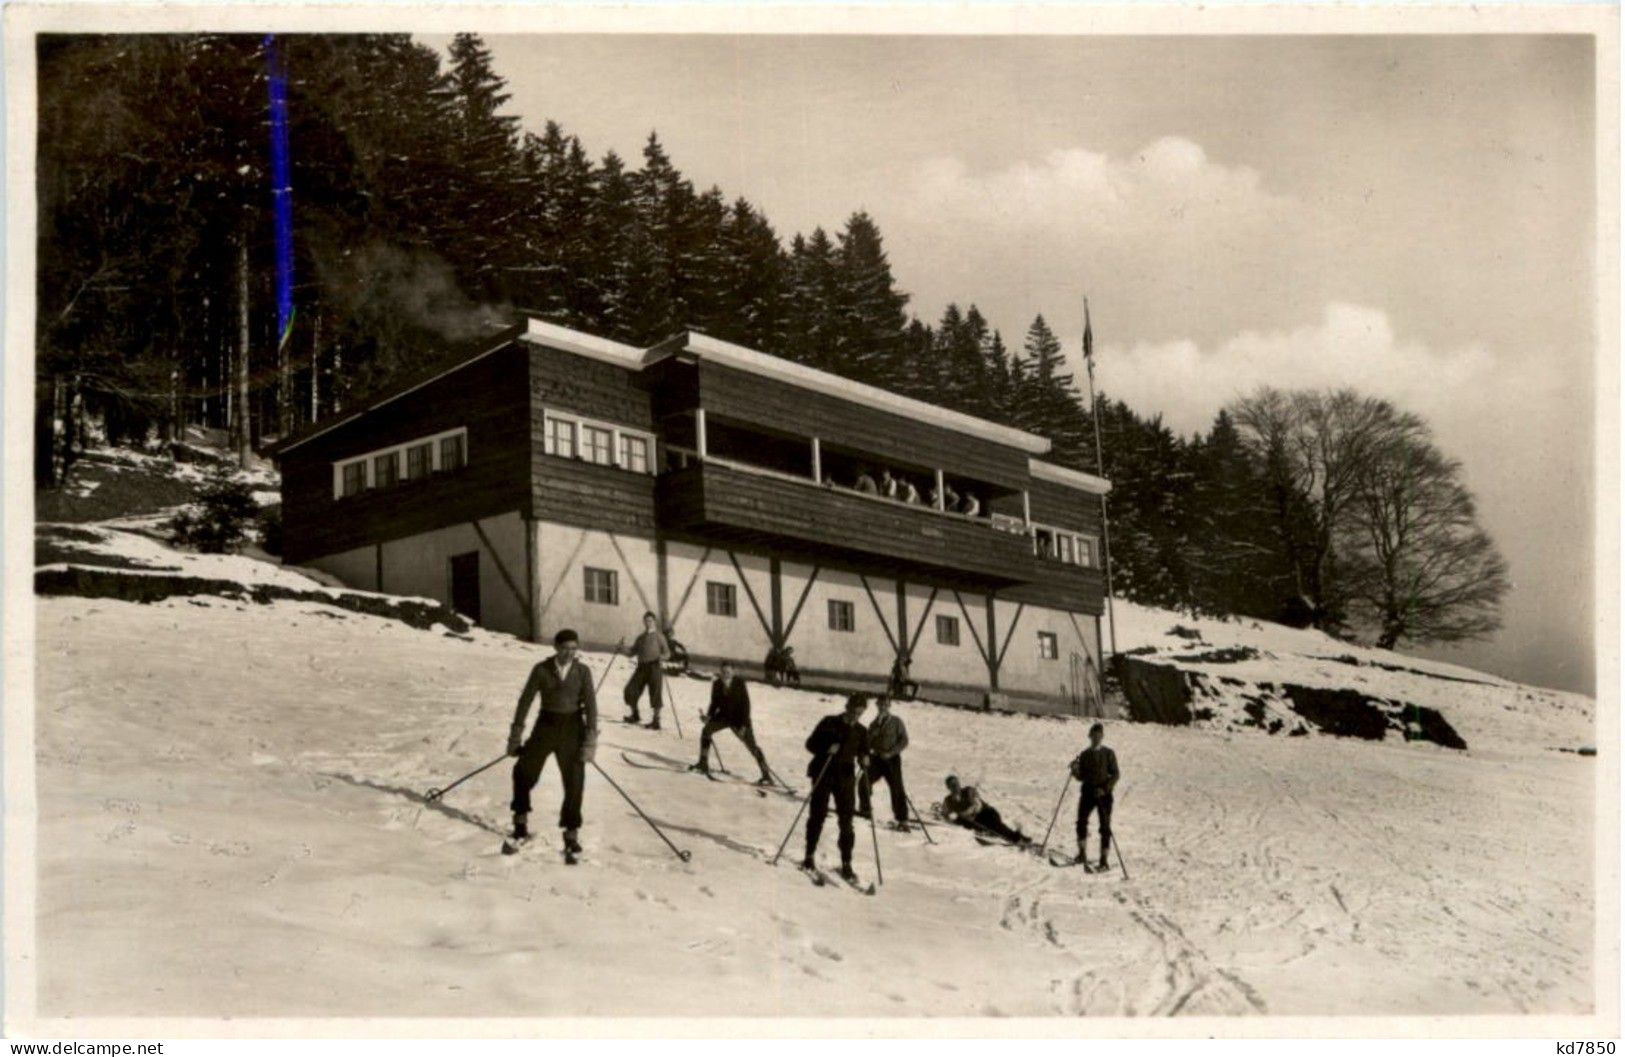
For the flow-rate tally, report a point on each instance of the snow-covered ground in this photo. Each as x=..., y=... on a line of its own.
x=1237, y=657
x=231, y=824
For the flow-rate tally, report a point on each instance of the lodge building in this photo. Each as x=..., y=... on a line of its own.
x=552, y=478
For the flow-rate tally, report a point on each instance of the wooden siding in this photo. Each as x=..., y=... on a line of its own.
x=1061, y=586
x=487, y=397
x=720, y=498
x=1056, y=504
x=571, y=491
x=782, y=408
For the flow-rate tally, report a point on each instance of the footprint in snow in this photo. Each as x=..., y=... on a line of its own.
x=826, y=952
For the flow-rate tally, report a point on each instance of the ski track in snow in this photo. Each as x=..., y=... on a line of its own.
x=233, y=822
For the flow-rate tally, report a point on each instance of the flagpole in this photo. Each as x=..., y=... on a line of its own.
x=1100, y=465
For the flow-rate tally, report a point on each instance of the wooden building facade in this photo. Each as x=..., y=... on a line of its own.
x=553, y=478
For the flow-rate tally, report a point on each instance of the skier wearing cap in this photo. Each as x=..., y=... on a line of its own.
x=566, y=728
x=837, y=743
x=1095, y=768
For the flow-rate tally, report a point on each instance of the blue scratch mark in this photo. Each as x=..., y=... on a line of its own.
x=281, y=188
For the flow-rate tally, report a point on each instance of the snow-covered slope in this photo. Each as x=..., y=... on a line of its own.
x=1240, y=662
x=231, y=823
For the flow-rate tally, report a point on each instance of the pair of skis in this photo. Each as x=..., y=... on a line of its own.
x=820, y=879
x=663, y=763
x=512, y=845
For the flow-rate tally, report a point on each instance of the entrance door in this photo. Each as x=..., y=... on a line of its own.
x=465, y=584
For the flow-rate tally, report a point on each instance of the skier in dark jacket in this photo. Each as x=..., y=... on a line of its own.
x=730, y=710
x=1096, y=771
x=837, y=744
x=566, y=728
x=887, y=740
x=649, y=650
x=965, y=806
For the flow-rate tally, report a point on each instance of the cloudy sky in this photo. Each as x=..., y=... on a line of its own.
x=1413, y=216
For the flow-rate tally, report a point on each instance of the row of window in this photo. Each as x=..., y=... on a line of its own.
x=1058, y=544
x=722, y=600
x=387, y=467
x=600, y=443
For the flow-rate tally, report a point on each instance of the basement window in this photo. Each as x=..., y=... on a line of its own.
x=1048, y=648
x=842, y=617
x=601, y=586
x=947, y=630
x=721, y=600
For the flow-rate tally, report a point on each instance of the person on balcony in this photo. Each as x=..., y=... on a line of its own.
x=947, y=499
x=971, y=507
x=888, y=483
x=909, y=493
x=865, y=483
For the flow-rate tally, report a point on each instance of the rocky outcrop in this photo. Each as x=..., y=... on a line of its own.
x=1156, y=693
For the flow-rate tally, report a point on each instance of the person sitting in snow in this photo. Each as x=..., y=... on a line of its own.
x=964, y=807
x=1095, y=768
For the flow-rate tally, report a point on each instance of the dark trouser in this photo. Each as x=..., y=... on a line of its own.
x=557, y=734
x=990, y=821
x=1089, y=800
x=889, y=770
x=712, y=726
x=649, y=674
x=840, y=786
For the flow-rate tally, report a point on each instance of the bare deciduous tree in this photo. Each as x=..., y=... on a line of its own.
x=1419, y=565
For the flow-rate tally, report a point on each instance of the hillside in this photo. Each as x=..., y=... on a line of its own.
x=232, y=823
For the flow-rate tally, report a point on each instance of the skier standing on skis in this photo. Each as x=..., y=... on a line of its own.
x=965, y=806
x=650, y=650
x=566, y=728
x=837, y=743
x=887, y=740
x=1095, y=768
x=730, y=710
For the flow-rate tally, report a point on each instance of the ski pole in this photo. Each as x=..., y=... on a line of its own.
x=1118, y=848
x=1057, y=814
x=804, y=802
x=681, y=854
x=435, y=794
x=880, y=877
x=716, y=749
x=605, y=673
x=918, y=819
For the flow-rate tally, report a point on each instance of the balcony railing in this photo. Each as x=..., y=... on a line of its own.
x=748, y=502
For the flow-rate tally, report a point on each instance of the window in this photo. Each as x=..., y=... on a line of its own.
x=601, y=586
x=355, y=477
x=841, y=616
x=386, y=469
x=1086, y=552
x=418, y=461
x=598, y=445
x=634, y=453
x=601, y=443
x=948, y=630
x=1048, y=648
x=561, y=437
x=415, y=459
x=452, y=454
x=1066, y=548
x=720, y=600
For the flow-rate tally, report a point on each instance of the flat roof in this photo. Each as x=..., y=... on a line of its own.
x=1065, y=475
x=706, y=347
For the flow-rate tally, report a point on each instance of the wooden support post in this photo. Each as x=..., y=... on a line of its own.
x=818, y=462
x=699, y=431
x=942, y=491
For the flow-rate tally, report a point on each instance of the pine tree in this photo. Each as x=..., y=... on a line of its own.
x=868, y=311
